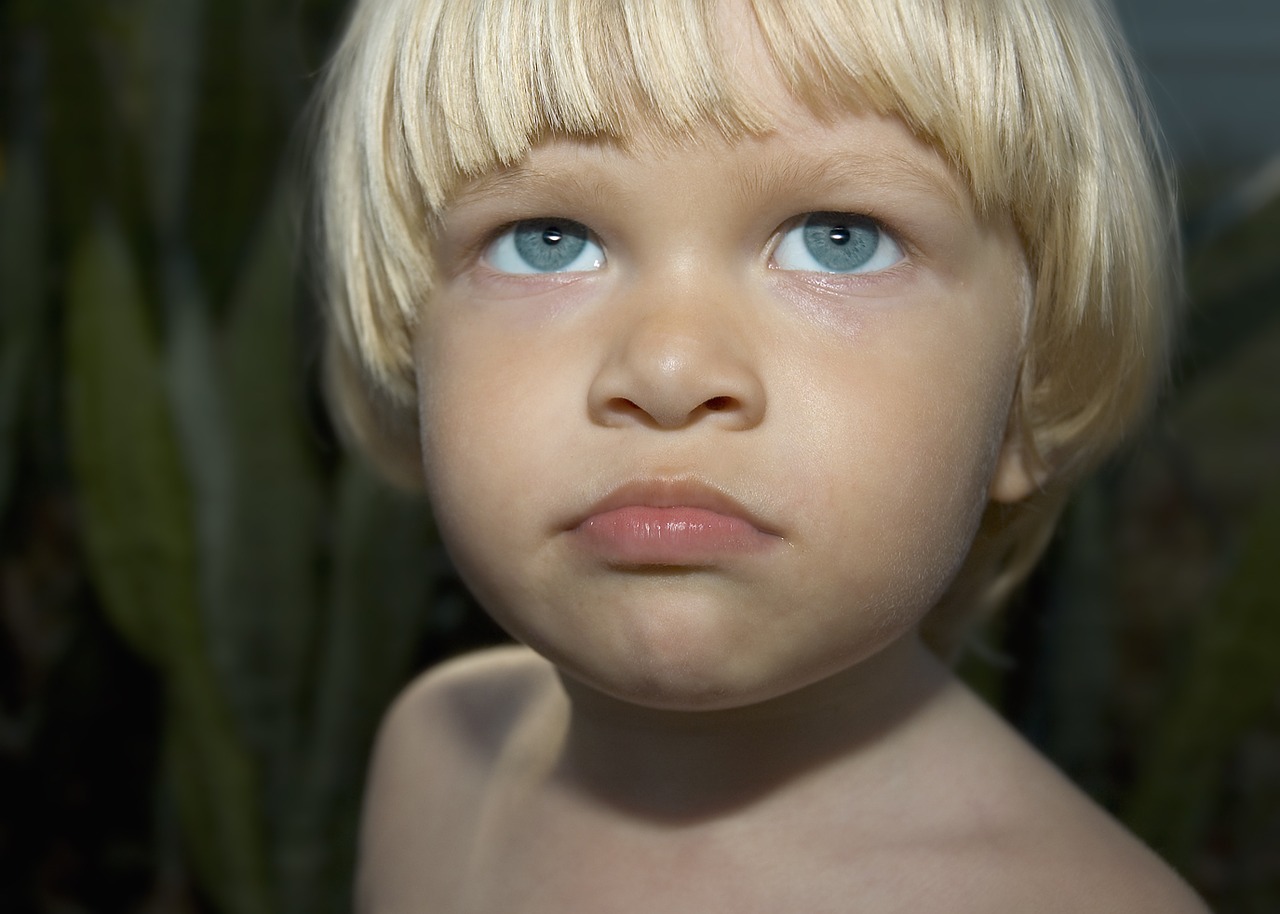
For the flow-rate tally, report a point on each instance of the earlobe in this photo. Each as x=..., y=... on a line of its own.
x=1019, y=471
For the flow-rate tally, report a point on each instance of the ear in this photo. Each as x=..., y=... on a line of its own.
x=1019, y=470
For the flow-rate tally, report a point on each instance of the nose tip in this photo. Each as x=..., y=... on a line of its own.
x=670, y=380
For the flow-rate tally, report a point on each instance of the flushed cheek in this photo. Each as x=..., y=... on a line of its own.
x=502, y=442
x=485, y=509
x=476, y=438
x=907, y=460
x=485, y=387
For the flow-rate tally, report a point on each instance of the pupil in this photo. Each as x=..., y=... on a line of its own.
x=549, y=245
x=840, y=235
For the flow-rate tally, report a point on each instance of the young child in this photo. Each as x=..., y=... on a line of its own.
x=746, y=350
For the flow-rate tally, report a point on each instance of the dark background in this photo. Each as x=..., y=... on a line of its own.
x=205, y=606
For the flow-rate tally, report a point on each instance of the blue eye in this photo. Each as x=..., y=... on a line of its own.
x=545, y=246
x=836, y=243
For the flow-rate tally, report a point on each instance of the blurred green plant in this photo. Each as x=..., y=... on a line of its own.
x=142, y=551
x=279, y=590
x=23, y=237
x=151, y=277
x=1231, y=680
x=1204, y=665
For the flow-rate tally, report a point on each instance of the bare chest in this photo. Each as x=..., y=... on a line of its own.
x=579, y=865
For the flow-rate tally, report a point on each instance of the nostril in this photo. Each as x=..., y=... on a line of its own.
x=625, y=405
x=718, y=404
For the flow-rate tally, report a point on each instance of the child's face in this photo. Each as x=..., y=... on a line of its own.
x=717, y=448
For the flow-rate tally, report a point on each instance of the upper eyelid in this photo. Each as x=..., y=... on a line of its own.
x=883, y=223
x=899, y=237
x=485, y=238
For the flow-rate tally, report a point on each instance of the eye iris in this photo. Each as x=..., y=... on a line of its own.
x=841, y=243
x=548, y=245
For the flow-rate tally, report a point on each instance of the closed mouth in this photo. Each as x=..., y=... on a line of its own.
x=673, y=493
x=670, y=524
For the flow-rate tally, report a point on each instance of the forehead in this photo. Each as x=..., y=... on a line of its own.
x=801, y=154
x=498, y=85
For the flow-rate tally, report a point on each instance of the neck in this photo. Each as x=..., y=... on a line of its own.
x=687, y=766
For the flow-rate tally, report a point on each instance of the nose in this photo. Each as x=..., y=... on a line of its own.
x=675, y=364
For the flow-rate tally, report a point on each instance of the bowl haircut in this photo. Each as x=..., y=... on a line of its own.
x=1033, y=104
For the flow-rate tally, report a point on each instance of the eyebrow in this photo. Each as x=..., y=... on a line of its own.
x=827, y=173
x=777, y=176
x=523, y=179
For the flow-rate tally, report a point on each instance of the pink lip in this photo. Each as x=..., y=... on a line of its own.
x=670, y=523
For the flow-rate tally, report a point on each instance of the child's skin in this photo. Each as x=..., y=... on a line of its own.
x=716, y=487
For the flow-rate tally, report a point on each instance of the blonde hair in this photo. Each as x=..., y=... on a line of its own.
x=1032, y=102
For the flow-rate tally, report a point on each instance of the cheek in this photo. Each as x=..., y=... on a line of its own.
x=956, y=442
x=913, y=453
x=493, y=423
x=461, y=407
x=468, y=385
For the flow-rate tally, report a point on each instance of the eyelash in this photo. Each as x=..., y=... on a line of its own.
x=480, y=250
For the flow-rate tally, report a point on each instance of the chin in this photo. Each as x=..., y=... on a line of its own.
x=688, y=677
x=687, y=691
x=662, y=673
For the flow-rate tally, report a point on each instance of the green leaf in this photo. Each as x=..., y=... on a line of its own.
x=84, y=152
x=1080, y=645
x=136, y=513
x=141, y=552
x=266, y=517
x=217, y=791
x=164, y=67
x=240, y=129
x=22, y=269
x=1231, y=680
x=196, y=383
x=386, y=565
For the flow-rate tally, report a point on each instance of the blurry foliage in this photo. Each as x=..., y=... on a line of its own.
x=1147, y=646
x=206, y=607
x=155, y=379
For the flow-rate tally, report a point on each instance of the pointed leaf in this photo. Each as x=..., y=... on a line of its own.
x=137, y=518
x=142, y=555
x=197, y=385
x=386, y=565
x=1232, y=679
x=264, y=557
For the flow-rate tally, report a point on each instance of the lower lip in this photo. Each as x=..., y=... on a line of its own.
x=642, y=535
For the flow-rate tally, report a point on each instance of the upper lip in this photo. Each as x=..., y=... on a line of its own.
x=673, y=493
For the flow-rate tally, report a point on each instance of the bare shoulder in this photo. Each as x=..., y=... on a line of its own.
x=1119, y=875
x=435, y=754
x=1050, y=848
x=1082, y=861
x=453, y=719
x=473, y=699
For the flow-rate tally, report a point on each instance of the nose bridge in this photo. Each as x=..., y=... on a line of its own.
x=680, y=353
